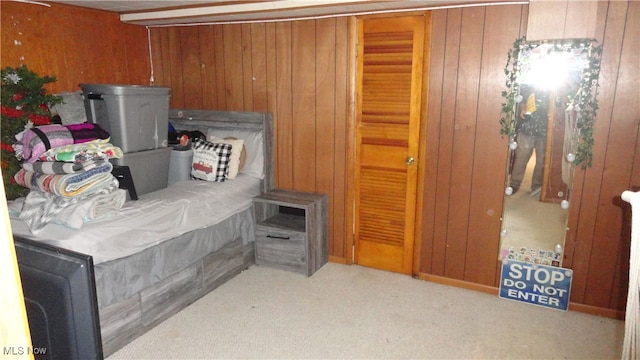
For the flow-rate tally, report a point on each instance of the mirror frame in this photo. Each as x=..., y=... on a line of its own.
x=587, y=103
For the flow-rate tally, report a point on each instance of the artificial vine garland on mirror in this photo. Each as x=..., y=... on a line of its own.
x=584, y=101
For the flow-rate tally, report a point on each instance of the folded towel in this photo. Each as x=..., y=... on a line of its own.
x=37, y=140
x=69, y=185
x=94, y=208
x=40, y=208
x=85, y=132
x=96, y=149
x=60, y=167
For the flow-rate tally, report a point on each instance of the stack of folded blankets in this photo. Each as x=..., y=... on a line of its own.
x=67, y=169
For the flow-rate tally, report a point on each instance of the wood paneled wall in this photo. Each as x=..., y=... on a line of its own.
x=598, y=242
x=296, y=70
x=74, y=45
x=463, y=200
x=299, y=71
x=465, y=154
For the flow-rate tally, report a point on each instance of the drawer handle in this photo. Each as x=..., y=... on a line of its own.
x=278, y=237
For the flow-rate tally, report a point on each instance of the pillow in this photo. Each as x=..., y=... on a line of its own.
x=254, y=145
x=210, y=161
x=237, y=151
x=72, y=110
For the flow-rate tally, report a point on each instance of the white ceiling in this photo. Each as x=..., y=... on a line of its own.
x=169, y=12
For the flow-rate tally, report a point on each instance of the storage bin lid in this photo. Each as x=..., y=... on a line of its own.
x=115, y=89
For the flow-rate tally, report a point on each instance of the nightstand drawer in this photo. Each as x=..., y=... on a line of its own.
x=294, y=237
x=285, y=249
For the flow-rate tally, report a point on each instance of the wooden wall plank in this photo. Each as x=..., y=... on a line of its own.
x=191, y=69
x=623, y=128
x=591, y=188
x=429, y=257
x=325, y=104
x=303, y=106
x=208, y=68
x=44, y=52
x=233, y=67
x=247, y=68
x=284, y=106
x=133, y=47
x=166, y=68
x=325, y=87
x=221, y=90
x=490, y=157
x=136, y=46
x=581, y=19
x=546, y=19
x=131, y=40
x=271, y=91
x=635, y=174
x=259, y=68
x=156, y=57
x=464, y=128
x=451, y=258
x=175, y=61
x=337, y=239
x=628, y=78
x=271, y=78
x=77, y=44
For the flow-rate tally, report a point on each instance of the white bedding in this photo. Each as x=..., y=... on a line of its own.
x=154, y=218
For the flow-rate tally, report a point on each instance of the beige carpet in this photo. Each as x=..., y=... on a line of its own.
x=352, y=312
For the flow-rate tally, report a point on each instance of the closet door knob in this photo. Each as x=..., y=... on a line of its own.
x=410, y=160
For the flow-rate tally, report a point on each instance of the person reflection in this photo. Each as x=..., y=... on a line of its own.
x=531, y=135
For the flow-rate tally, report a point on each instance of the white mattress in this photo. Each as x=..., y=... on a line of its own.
x=153, y=219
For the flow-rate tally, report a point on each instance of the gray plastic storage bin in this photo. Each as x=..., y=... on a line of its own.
x=149, y=168
x=180, y=165
x=136, y=116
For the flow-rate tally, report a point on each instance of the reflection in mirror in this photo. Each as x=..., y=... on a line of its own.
x=548, y=119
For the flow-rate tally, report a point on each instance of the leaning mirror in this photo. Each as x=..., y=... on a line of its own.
x=547, y=118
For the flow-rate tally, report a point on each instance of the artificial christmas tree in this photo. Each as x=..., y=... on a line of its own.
x=24, y=104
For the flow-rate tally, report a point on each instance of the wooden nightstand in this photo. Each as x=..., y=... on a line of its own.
x=291, y=230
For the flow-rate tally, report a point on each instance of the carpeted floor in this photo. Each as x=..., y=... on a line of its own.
x=352, y=312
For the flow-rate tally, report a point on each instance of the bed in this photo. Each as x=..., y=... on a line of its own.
x=173, y=246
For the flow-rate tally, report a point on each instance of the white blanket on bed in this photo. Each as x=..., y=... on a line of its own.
x=154, y=218
x=41, y=208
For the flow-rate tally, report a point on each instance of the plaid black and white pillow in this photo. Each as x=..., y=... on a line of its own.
x=210, y=161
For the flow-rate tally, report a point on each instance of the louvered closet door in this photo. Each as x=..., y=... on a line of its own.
x=390, y=54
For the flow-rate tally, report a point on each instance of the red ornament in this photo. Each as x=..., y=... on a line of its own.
x=39, y=120
x=14, y=113
x=17, y=97
x=6, y=147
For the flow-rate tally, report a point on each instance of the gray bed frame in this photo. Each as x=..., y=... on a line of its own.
x=125, y=320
